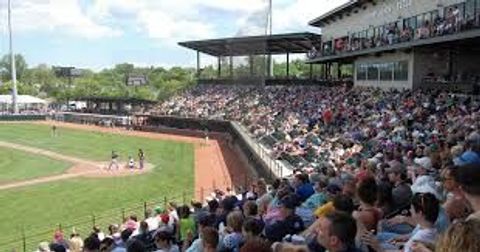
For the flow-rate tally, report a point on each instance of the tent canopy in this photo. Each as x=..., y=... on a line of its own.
x=22, y=99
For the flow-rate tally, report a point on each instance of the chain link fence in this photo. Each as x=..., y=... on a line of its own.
x=28, y=238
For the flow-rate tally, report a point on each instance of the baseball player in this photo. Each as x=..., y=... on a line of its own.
x=54, y=130
x=131, y=163
x=114, y=161
x=141, y=158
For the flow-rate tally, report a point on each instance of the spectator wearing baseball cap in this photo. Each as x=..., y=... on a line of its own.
x=291, y=223
x=227, y=205
x=303, y=188
x=164, y=241
x=43, y=247
x=468, y=177
x=401, y=192
x=472, y=155
x=91, y=244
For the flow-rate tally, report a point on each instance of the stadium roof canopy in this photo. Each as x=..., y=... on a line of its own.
x=338, y=12
x=256, y=45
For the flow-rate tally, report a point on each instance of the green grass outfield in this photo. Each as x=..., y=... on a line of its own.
x=17, y=165
x=43, y=206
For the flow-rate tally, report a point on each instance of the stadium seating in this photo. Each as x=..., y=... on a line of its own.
x=364, y=156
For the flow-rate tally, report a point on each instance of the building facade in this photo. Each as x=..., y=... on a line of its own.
x=403, y=43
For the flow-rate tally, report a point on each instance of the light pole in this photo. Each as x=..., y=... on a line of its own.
x=12, y=61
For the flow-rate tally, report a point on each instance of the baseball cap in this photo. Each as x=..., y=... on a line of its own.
x=164, y=218
x=424, y=162
x=473, y=138
x=43, y=247
x=468, y=157
x=158, y=210
x=333, y=189
x=57, y=248
x=206, y=220
x=467, y=175
x=426, y=184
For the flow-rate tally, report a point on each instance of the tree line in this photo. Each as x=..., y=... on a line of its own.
x=42, y=81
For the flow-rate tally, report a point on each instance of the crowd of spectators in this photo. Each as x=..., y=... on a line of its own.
x=311, y=126
x=333, y=210
x=374, y=170
x=452, y=21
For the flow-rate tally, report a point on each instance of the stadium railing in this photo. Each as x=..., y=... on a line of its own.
x=280, y=169
x=24, y=239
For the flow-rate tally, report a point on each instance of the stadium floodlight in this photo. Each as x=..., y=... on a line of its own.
x=255, y=68
x=12, y=62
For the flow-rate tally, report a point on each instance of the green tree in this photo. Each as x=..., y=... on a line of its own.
x=6, y=70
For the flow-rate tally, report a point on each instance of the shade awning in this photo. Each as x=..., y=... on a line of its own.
x=257, y=45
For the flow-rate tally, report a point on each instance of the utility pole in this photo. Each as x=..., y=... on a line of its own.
x=268, y=31
x=270, y=25
x=12, y=61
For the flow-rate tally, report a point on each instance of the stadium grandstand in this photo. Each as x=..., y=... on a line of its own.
x=378, y=150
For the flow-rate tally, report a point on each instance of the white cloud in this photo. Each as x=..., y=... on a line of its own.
x=57, y=16
x=162, y=20
x=235, y=5
x=295, y=15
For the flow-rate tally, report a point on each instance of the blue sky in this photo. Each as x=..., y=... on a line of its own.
x=101, y=33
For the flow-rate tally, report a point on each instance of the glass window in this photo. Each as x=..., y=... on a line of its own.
x=386, y=72
x=363, y=34
x=477, y=10
x=461, y=7
x=401, y=71
x=470, y=9
x=369, y=32
x=379, y=31
x=420, y=21
x=372, y=72
x=361, y=72
x=428, y=17
x=410, y=22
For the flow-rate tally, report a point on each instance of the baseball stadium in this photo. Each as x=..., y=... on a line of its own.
x=359, y=131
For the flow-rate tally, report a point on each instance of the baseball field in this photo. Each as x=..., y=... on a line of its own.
x=50, y=181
